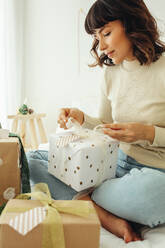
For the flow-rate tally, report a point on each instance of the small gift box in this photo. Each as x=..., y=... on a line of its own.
x=46, y=223
x=10, y=178
x=82, y=158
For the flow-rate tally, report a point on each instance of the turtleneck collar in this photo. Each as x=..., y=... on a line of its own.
x=131, y=66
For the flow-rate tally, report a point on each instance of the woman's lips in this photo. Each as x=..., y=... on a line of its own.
x=110, y=54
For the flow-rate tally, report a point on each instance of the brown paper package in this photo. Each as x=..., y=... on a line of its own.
x=79, y=232
x=9, y=167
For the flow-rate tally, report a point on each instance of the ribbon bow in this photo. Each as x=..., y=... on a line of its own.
x=76, y=131
x=53, y=234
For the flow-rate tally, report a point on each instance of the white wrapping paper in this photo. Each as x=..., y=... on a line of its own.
x=82, y=158
x=24, y=222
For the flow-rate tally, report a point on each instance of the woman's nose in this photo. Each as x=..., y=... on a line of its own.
x=102, y=45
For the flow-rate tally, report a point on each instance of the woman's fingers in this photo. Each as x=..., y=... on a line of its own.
x=114, y=126
x=63, y=117
x=115, y=134
x=64, y=113
x=128, y=132
x=62, y=123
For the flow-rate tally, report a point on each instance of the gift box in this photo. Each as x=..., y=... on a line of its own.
x=31, y=223
x=82, y=161
x=9, y=169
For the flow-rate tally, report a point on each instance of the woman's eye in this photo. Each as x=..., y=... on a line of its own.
x=107, y=34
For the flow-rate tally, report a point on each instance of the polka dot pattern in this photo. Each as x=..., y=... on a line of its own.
x=83, y=163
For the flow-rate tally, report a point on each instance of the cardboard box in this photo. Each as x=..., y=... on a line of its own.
x=79, y=232
x=10, y=179
x=83, y=163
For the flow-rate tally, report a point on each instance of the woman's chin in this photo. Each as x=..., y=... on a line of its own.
x=115, y=61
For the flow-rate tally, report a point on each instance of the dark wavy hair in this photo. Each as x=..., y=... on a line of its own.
x=139, y=25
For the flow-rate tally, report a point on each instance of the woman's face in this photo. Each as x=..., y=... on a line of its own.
x=114, y=42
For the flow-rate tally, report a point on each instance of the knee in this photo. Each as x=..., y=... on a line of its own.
x=138, y=196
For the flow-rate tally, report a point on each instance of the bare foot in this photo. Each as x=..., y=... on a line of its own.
x=114, y=224
x=122, y=229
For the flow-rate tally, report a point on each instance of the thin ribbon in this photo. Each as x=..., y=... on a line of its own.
x=96, y=135
x=53, y=234
x=75, y=128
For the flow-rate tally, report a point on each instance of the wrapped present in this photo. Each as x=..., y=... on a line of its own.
x=10, y=178
x=82, y=158
x=47, y=223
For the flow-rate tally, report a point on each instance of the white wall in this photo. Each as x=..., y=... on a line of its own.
x=11, y=57
x=157, y=8
x=51, y=75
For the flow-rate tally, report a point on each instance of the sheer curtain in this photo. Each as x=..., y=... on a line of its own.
x=11, y=57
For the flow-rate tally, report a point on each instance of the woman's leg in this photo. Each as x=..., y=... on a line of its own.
x=138, y=196
x=38, y=166
x=114, y=224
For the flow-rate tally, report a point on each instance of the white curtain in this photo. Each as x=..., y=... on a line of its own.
x=11, y=57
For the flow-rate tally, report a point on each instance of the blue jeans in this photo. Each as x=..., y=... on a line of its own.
x=38, y=167
x=126, y=163
x=136, y=194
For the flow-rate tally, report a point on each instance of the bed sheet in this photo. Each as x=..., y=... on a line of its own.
x=153, y=238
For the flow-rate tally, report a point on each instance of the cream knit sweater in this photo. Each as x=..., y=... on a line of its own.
x=134, y=93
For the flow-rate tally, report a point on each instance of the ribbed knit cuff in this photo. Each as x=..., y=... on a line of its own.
x=90, y=122
x=159, y=139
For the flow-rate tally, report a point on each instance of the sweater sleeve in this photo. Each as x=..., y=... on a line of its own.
x=104, y=111
x=159, y=140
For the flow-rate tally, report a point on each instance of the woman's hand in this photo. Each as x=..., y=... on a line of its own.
x=130, y=132
x=66, y=113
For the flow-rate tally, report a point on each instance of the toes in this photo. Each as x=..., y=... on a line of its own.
x=137, y=238
x=128, y=237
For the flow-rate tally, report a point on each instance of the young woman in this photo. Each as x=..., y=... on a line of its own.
x=132, y=103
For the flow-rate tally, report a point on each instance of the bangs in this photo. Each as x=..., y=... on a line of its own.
x=98, y=16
